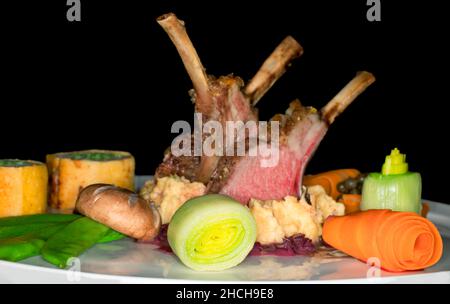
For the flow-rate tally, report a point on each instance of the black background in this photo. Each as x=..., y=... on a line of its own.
x=115, y=81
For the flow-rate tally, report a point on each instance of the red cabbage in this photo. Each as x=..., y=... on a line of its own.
x=161, y=239
x=295, y=245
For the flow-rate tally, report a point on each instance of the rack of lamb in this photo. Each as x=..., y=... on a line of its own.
x=227, y=98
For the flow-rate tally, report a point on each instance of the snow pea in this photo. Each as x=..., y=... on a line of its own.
x=110, y=236
x=24, y=246
x=20, y=248
x=37, y=218
x=16, y=226
x=73, y=240
x=28, y=245
x=22, y=237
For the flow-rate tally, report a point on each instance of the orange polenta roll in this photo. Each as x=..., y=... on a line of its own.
x=72, y=171
x=23, y=187
x=400, y=240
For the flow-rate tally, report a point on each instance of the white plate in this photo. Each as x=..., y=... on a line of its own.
x=126, y=261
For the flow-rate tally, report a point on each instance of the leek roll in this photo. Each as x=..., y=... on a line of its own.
x=395, y=188
x=212, y=233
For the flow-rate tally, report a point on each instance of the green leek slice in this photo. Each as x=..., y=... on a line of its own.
x=394, y=188
x=396, y=192
x=212, y=233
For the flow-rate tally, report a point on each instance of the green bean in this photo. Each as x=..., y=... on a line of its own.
x=17, y=226
x=18, y=243
x=17, y=249
x=73, y=240
x=27, y=245
x=37, y=219
x=18, y=231
x=110, y=236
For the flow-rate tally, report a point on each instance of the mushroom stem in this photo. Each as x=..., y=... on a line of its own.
x=346, y=96
x=273, y=68
x=176, y=30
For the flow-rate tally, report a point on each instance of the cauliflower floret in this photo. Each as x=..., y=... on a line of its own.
x=297, y=216
x=169, y=193
x=268, y=229
x=276, y=220
x=325, y=205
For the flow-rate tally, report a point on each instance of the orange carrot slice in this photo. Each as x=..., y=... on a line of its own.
x=425, y=209
x=330, y=180
x=400, y=240
x=351, y=202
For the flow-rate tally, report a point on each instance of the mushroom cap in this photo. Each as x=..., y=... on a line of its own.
x=120, y=209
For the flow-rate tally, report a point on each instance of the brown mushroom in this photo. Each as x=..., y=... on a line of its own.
x=120, y=209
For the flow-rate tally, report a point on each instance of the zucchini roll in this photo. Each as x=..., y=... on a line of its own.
x=23, y=187
x=72, y=171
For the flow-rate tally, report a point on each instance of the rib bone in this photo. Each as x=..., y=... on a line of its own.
x=177, y=33
x=273, y=68
x=346, y=96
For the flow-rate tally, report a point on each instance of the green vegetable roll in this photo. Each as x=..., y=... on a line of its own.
x=394, y=188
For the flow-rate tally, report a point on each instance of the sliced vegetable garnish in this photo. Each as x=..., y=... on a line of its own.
x=395, y=192
x=212, y=232
x=395, y=188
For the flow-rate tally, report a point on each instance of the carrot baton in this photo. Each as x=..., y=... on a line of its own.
x=400, y=240
x=425, y=209
x=330, y=180
x=351, y=202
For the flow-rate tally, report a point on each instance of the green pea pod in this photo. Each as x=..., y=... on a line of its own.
x=17, y=249
x=37, y=219
x=110, y=236
x=17, y=226
x=25, y=246
x=48, y=232
x=73, y=240
x=21, y=246
x=18, y=231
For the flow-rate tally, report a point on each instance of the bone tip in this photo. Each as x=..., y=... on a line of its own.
x=169, y=17
x=294, y=44
x=367, y=77
x=165, y=17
